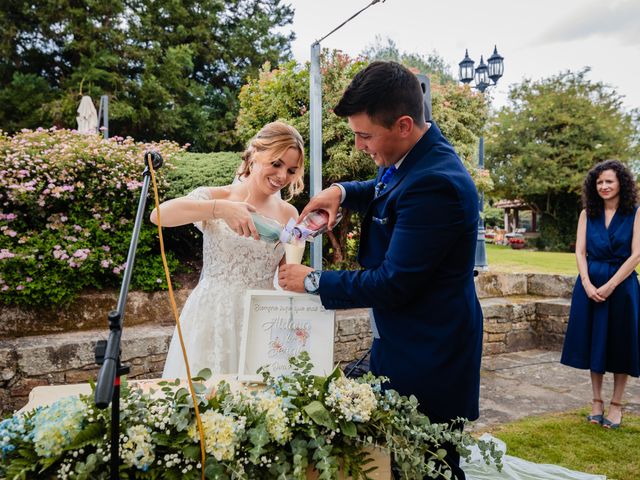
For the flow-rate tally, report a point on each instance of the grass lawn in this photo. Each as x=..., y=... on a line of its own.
x=567, y=439
x=505, y=259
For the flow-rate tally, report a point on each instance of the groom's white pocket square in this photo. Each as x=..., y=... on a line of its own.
x=381, y=221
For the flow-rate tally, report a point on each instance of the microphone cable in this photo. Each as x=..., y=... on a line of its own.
x=177, y=317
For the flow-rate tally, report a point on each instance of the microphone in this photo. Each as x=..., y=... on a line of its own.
x=154, y=157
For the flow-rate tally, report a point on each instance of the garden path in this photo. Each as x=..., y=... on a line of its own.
x=533, y=382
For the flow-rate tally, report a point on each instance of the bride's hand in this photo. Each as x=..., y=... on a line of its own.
x=238, y=217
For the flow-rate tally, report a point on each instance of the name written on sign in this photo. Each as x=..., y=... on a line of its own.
x=280, y=326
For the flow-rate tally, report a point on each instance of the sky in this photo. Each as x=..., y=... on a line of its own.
x=538, y=39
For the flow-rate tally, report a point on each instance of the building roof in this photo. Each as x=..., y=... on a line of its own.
x=517, y=204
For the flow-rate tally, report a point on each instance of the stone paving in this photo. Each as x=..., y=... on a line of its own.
x=533, y=382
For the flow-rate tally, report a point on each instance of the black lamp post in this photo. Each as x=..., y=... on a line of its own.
x=484, y=74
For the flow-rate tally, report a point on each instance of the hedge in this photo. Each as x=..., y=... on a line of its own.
x=67, y=205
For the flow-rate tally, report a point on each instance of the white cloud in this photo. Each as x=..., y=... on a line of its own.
x=619, y=19
x=538, y=38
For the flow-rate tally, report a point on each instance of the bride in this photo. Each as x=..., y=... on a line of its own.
x=234, y=257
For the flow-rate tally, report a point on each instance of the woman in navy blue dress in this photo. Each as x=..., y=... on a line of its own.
x=602, y=334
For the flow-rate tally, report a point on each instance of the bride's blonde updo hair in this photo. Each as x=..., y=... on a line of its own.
x=275, y=138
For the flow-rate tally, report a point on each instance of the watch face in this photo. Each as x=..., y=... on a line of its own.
x=307, y=284
x=311, y=282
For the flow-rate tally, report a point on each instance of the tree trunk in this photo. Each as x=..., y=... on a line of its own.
x=338, y=237
x=337, y=248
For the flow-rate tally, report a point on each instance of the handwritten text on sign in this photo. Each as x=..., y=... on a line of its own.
x=280, y=325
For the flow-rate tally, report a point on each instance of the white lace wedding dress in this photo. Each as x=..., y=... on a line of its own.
x=212, y=316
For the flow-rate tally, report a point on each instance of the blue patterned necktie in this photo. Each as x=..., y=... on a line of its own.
x=390, y=172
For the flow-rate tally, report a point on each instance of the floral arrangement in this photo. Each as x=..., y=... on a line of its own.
x=281, y=430
x=67, y=205
x=517, y=242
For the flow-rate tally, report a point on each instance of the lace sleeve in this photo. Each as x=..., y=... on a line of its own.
x=200, y=193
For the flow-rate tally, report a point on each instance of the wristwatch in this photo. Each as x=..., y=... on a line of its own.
x=312, y=282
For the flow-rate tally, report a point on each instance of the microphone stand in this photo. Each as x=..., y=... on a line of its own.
x=108, y=352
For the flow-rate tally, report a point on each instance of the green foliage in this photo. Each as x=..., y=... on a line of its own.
x=22, y=100
x=274, y=432
x=171, y=69
x=193, y=170
x=67, y=205
x=558, y=221
x=552, y=132
x=493, y=217
x=432, y=65
x=283, y=94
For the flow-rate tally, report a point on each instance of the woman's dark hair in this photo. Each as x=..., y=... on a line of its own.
x=593, y=203
x=385, y=91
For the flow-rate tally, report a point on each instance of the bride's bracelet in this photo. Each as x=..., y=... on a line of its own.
x=213, y=210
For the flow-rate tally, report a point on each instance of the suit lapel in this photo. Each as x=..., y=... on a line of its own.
x=419, y=150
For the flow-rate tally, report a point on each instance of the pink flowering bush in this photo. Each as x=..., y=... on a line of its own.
x=67, y=207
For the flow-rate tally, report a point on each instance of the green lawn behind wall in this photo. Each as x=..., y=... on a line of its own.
x=567, y=439
x=505, y=259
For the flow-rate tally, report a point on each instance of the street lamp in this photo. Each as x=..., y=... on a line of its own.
x=484, y=74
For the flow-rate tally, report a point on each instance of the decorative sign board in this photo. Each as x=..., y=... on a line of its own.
x=279, y=325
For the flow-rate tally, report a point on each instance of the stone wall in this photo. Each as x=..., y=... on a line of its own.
x=521, y=311
x=497, y=284
x=513, y=324
x=89, y=312
x=57, y=359
x=524, y=310
x=64, y=358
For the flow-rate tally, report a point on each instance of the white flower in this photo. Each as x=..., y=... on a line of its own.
x=352, y=400
x=220, y=434
x=277, y=422
x=56, y=426
x=137, y=448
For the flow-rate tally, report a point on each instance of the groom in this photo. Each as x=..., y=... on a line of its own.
x=417, y=246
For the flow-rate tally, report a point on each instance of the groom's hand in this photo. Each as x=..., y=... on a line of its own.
x=291, y=276
x=328, y=200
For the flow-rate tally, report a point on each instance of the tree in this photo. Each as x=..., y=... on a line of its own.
x=553, y=131
x=432, y=64
x=283, y=94
x=172, y=69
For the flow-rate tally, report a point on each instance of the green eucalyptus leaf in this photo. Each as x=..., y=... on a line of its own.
x=203, y=375
x=349, y=429
x=320, y=415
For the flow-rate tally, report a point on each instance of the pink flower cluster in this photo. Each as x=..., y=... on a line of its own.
x=44, y=165
x=4, y=253
x=63, y=197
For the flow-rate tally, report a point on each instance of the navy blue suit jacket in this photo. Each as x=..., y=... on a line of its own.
x=417, y=248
